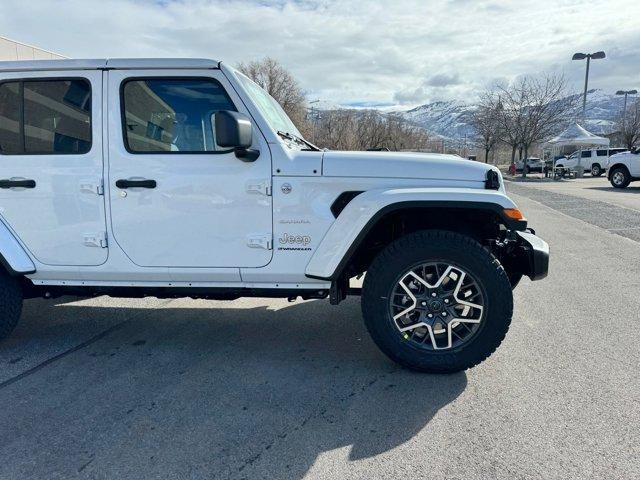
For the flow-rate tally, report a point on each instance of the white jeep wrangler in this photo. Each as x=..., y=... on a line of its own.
x=183, y=178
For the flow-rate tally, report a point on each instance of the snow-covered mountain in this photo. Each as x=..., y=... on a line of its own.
x=450, y=119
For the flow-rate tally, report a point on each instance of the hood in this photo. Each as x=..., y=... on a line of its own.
x=434, y=166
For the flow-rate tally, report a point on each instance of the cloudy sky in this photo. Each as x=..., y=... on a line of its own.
x=353, y=52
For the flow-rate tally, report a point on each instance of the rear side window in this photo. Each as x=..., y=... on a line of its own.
x=49, y=116
x=586, y=153
x=602, y=153
x=172, y=115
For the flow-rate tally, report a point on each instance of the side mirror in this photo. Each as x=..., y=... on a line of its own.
x=234, y=130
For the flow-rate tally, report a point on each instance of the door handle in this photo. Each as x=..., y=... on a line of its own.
x=24, y=183
x=122, y=183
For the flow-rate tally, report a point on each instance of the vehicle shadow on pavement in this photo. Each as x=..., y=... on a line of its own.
x=224, y=392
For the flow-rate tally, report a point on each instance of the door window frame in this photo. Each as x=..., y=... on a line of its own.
x=123, y=119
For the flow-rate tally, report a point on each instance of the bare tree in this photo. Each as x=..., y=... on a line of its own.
x=629, y=125
x=486, y=122
x=510, y=117
x=281, y=85
x=348, y=129
x=533, y=109
x=549, y=107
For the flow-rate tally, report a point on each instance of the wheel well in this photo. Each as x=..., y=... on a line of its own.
x=480, y=224
x=615, y=167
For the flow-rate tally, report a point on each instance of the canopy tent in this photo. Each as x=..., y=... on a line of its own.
x=577, y=135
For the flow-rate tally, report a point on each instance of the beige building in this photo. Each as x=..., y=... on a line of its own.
x=12, y=50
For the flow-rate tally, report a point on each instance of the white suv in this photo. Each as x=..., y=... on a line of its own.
x=624, y=168
x=594, y=160
x=183, y=178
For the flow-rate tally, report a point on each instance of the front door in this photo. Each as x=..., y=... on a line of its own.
x=177, y=198
x=51, y=164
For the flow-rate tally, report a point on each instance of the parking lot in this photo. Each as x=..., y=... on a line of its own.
x=256, y=388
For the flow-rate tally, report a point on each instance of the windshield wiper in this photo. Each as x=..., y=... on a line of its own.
x=299, y=140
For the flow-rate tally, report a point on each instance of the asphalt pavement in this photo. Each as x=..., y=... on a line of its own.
x=265, y=389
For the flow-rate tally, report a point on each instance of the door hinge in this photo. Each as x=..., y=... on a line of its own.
x=96, y=240
x=259, y=186
x=260, y=241
x=92, y=187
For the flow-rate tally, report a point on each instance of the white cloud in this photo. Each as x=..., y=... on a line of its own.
x=353, y=52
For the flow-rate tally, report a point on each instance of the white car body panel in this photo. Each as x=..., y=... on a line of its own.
x=364, y=207
x=401, y=165
x=202, y=211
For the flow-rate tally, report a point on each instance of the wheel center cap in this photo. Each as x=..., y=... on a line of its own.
x=435, y=305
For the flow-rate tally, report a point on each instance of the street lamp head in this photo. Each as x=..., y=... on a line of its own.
x=632, y=92
x=579, y=56
x=598, y=55
x=620, y=92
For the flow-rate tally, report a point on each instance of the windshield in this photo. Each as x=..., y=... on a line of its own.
x=268, y=106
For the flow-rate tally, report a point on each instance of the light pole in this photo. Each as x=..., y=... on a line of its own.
x=624, y=110
x=313, y=119
x=588, y=56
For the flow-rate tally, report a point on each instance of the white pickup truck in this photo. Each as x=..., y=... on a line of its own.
x=624, y=168
x=183, y=178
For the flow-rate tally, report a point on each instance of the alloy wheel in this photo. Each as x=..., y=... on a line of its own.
x=437, y=306
x=618, y=178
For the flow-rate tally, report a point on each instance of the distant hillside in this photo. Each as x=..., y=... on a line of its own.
x=450, y=119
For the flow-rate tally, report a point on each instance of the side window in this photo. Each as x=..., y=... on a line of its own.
x=10, y=128
x=586, y=153
x=165, y=115
x=602, y=153
x=45, y=117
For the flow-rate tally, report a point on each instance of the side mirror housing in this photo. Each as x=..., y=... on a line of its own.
x=234, y=130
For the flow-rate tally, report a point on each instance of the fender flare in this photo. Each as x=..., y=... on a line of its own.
x=12, y=256
x=363, y=212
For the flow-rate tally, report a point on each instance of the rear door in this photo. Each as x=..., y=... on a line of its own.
x=51, y=164
x=178, y=199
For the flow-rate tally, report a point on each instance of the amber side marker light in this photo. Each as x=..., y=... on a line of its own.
x=513, y=213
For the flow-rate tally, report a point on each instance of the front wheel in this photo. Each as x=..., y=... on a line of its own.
x=437, y=301
x=620, y=177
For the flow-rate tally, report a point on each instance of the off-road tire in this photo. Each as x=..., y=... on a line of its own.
x=455, y=249
x=620, y=171
x=10, y=304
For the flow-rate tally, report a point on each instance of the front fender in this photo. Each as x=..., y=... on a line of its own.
x=12, y=256
x=362, y=213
